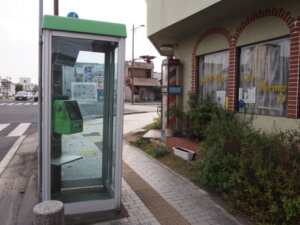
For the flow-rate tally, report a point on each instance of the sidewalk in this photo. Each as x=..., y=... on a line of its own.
x=151, y=193
x=154, y=194
x=160, y=196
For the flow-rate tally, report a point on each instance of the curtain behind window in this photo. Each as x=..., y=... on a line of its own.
x=213, y=71
x=264, y=70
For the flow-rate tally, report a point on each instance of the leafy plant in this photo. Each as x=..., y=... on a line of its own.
x=257, y=173
x=140, y=142
x=198, y=116
x=159, y=152
x=155, y=125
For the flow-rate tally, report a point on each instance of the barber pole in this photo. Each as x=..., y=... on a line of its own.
x=172, y=74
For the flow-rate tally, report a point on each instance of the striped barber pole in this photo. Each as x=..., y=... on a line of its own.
x=172, y=80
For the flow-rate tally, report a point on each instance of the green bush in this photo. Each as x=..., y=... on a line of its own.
x=267, y=183
x=158, y=152
x=140, y=142
x=257, y=173
x=221, y=146
x=198, y=116
x=155, y=125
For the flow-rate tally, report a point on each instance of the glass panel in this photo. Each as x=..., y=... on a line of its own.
x=213, y=72
x=83, y=112
x=264, y=70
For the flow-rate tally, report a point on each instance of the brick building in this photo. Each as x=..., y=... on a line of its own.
x=144, y=83
x=242, y=54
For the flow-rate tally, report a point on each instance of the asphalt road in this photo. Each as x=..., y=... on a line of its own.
x=20, y=118
x=17, y=118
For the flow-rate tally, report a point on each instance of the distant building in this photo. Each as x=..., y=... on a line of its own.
x=26, y=83
x=7, y=88
x=145, y=86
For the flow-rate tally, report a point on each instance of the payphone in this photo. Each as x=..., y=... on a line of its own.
x=82, y=113
x=67, y=118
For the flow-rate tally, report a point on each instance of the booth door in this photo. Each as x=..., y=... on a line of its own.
x=83, y=148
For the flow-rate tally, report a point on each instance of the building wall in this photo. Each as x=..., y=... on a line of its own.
x=141, y=70
x=245, y=28
x=163, y=13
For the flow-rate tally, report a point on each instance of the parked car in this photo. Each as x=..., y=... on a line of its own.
x=21, y=95
x=36, y=96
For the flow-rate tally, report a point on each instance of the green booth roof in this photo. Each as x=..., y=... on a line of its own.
x=83, y=26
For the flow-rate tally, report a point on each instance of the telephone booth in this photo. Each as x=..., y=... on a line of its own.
x=82, y=113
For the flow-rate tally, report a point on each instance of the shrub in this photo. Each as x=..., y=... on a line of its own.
x=198, y=116
x=267, y=183
x=140, y=142
x=257, y=173
x=155, y=125
x=221, y=147
x=159, y=152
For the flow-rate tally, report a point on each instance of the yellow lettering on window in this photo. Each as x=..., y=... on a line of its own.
x=276, y=88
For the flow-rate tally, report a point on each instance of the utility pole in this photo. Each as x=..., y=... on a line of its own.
x=132, y=67
x=56, y=7
x=132, y=63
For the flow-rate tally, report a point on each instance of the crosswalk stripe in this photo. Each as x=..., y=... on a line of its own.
x=2, y=126
x=19, y=130
x=4, y=162
x=28, y=103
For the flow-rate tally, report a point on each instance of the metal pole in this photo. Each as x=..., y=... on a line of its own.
x=132, y=68
x=56, y=7
x=40, y=94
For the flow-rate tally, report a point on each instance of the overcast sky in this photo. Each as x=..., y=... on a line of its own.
x=19, y=30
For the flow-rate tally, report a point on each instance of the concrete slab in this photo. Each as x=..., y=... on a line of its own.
x=152, y=134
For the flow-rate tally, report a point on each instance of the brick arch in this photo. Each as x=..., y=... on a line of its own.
x=214, y=30
x=280, y=13
x=293, y=82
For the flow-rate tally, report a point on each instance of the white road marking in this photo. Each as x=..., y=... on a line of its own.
x=2, y=126
x=19, y=130
x=4, y=162
x=34, y=103
x=3, y=103
x=27, y=103
x=20, y=103
x=10, y=103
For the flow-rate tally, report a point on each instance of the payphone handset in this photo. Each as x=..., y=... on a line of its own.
x=67, y=118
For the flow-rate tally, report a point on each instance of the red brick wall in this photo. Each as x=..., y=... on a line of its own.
x=293, y=83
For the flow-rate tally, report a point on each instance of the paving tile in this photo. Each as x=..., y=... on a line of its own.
x=157, y=205
x=188, y=201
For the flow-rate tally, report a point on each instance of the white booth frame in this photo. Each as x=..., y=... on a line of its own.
x=85, y=206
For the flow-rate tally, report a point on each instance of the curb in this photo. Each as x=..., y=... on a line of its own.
x=129, y=113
